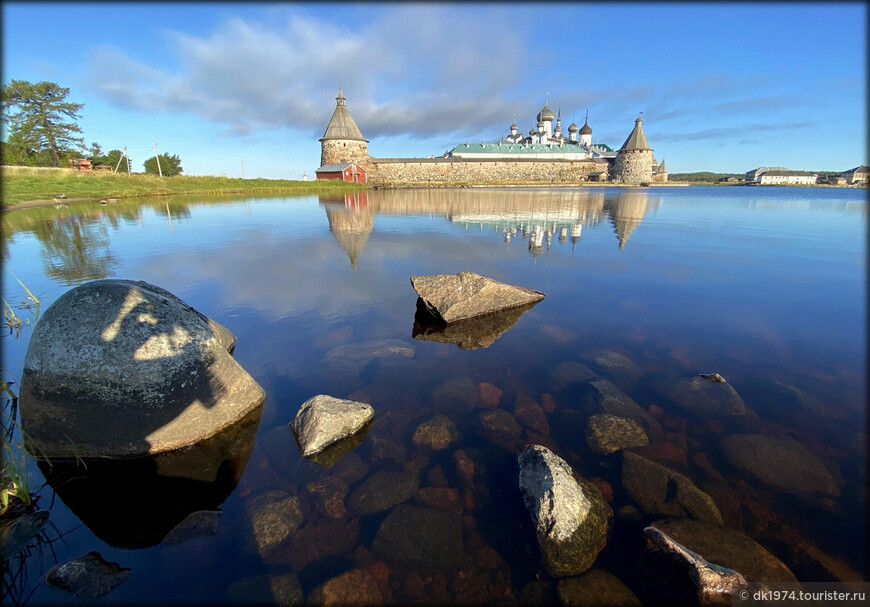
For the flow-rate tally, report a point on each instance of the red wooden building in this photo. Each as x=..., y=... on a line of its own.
x=346, y=171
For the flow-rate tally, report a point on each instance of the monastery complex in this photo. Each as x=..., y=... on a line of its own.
x=545, y=155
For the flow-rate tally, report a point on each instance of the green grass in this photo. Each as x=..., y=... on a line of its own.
x=19, y=185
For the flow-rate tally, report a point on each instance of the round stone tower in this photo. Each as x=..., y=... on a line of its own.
x=634, y=160
x=343, y=141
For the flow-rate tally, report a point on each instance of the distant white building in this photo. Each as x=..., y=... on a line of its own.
x=786, y=177
x=859, y=174
x=754, y=174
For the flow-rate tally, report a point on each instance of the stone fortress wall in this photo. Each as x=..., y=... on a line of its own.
x=424, y=170
x=633, y=163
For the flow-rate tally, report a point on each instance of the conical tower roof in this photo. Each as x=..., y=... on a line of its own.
x=662, y=168
x=636, y=140
x=342, y=125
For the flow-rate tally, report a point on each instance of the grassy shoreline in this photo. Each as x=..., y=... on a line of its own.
x=27, y=189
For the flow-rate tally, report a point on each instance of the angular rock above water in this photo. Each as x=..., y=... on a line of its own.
x=119, y=368
x=570, y=516
x=716, y=585
x=701, y=395
x=87, y=577
x=452, y=297
x=606, y=434
x=659, y=490
x=469, y=334
x=779, y=463
x=418, y=537
x=324, y=420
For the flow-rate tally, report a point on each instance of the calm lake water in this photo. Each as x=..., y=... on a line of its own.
x=763, y=285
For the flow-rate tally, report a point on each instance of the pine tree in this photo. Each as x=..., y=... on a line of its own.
x=40, y=115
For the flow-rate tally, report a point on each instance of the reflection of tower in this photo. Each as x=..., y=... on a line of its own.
x=563, y=235
x=536, y=241
x=575, y=232
x=351, y=227
x=626, y=212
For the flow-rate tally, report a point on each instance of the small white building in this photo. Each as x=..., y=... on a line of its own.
x=786, y=177
x=754, y=174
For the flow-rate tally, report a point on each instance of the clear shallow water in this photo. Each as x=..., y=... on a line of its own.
x=761, y=285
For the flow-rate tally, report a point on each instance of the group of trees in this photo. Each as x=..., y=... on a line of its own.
x=40, y=129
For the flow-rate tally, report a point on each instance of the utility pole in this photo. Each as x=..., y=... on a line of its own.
x=243, y=167
x=127, y=156
x=157, y=158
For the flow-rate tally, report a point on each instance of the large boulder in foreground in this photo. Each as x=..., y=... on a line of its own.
x=452, y=297
x=324, y=420
x=121, y=368
x=570, y=516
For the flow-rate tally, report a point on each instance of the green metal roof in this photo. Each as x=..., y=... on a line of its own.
x=518, y=148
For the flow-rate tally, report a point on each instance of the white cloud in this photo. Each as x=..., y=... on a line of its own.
x=254, y=76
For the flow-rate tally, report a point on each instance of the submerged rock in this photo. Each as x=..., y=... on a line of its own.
x=471, y=333
x=727, y=548
x=435, y=434
x=418, y=537
x=455, y=395
x=603, y=396
x=273, y=517
x=530, y=414
x=716, y=584
x=381, y=491
x=452, y=297
x=606, y=434
x=702, y=395
x=324, y=420
x=281, y=590
x=659, y=490
x=596, y=588
x=350, y=359
x=202, y=523
x=612, y=364
x=354, y=587
x=120, y=368
x=781, y=464
x=570, y=516
x=569, y=372
x=87, y=577
x=329, y=495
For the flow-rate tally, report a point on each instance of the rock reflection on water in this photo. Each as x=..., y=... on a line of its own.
x=135, y=503
x=469, y=334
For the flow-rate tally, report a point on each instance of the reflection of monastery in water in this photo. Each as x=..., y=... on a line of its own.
x=537, y=218
x=546, y=155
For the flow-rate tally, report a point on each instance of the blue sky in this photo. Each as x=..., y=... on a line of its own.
x=722, y=87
